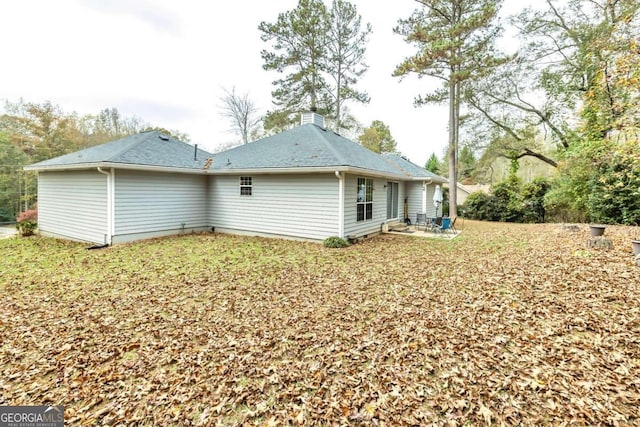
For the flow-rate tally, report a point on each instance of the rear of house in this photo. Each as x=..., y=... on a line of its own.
x=307, y=183
x=288, y=205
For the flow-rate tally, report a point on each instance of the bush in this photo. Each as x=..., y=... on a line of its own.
x=479, y=205
x=6, y=215
x=509, y=201
x=27, y=222
x=533, y=195
x=335, y=242
x=614, y=195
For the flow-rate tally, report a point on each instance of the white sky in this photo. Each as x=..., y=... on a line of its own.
x=166, y=62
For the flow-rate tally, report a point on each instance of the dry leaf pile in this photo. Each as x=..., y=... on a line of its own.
x=507, y=324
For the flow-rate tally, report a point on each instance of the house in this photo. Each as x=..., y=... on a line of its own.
x=307, y=182
x=465, y=190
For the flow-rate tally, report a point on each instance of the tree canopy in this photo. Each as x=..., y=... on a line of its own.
x=377, y=138
x=571, y=99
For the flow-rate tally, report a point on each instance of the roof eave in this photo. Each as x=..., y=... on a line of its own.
x=436, y=179
x=274, y=171
x=376, y=173
x=308, y=169
x=245, y=171
x=127, y=166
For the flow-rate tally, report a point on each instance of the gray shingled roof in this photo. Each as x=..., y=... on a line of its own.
x=411, y=169
x=151, y=148
x=303, y=146
x=306, y=146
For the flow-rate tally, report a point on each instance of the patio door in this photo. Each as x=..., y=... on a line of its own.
x=392, y=200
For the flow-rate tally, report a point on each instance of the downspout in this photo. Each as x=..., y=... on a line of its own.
x=110, y=219
x=425, y=183
x=340, y=203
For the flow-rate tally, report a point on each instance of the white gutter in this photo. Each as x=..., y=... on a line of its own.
x=248, y=171
x=110, y=206
x=340, y=203
x=319, y=169
x=112, y=165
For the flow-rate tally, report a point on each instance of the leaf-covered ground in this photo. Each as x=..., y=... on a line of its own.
x=507, y=324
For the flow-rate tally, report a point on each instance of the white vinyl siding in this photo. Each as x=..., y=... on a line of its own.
x=154, y=202
x=352, y=227
x=304, y=206
x=73, y=205
x=415, y=194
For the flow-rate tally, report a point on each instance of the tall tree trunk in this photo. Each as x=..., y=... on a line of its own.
x=339, y=87
x=453, y=130
x=313, y=106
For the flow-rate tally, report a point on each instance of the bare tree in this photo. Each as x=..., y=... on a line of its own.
x=241, y=111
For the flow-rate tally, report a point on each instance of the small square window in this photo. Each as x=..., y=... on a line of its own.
x=246, y=186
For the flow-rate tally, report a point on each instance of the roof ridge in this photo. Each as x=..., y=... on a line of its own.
x=388, y=159
x=330, y=146
x=135, y=144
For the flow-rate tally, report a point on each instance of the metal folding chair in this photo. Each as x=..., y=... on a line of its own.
x=445, y=225
x=421, y=219
x=436, y=225
x=453, y=225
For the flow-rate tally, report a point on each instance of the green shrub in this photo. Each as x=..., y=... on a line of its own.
x=508, y=199
x=27, y=222
x=6, y=215
x=533, y=195
x=614, y=190
x=335, y=242
x=479, y=205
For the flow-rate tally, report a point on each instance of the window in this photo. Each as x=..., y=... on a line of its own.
x=246, y=185
x=364, y=201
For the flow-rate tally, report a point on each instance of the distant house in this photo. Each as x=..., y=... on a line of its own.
x=307, y=182
x=465, y=190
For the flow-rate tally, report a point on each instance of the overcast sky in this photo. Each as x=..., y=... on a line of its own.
x=166, y=62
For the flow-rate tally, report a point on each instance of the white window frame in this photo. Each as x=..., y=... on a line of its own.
x=364, y=198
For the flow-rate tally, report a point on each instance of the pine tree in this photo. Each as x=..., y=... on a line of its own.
x=322, y=50
x=346, y=49
x=299, y=47
x=377, y=138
